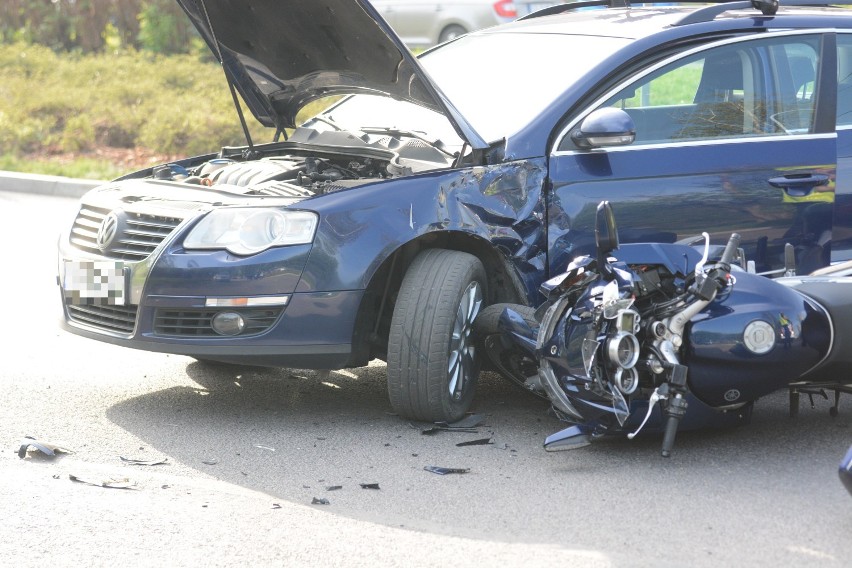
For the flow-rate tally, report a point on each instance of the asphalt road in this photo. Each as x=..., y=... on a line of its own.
x=248, y=449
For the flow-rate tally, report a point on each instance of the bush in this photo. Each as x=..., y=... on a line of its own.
x=73, y=102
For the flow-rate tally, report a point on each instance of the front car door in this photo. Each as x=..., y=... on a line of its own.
x=729, y=137
x=842, y=237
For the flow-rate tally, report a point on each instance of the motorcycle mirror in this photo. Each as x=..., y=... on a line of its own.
x=789, y=260
x=606, y=236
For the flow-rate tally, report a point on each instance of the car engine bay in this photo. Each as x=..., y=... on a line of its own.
x=312, y=163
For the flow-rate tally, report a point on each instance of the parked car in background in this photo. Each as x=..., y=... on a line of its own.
x=430, y=187
x=421, y=23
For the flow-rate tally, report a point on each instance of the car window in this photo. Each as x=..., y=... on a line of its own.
x=844, y=80
x=752, y=88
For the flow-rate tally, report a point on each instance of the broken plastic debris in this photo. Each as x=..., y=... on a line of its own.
x=467, y=424
x=320, y=501
x=470, y=421
x=264, y=447
x=436, y=429
x=132, y=461
x=369, y=486
x=109, y=482
x=44, y=447
x=446, y=470
x=209, y=462
x=333, y=487
x=276, y=506
x=480, y=442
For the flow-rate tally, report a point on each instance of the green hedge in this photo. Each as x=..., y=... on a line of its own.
x=72, y=103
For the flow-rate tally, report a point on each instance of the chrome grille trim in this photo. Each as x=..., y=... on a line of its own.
x=140, y=236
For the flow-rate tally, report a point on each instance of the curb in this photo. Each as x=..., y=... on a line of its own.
x=46, y=185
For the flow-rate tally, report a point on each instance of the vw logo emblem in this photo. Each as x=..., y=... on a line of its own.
x=107, y=231
x=732, y=395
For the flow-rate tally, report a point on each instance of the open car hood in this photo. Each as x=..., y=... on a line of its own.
x=282, y=54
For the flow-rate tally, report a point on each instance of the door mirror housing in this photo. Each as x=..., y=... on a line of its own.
x=605, y=127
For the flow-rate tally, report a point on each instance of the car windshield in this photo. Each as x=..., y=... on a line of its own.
x=498, y=81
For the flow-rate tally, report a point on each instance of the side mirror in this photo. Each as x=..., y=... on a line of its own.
x=606, y=232
x=605, y=127
x=606, y=237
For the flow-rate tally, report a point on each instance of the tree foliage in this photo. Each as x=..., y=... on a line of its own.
x=91, y=25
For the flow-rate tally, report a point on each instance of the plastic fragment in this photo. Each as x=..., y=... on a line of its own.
x=369, y=486
x=109, y=482
x=276, y=506
x=470, y=421
x=46, y=448
x=209, y=462
x=333, y=487
x=435, y=429
x=467, y=424
x=132, y=461
x=446, y=470
x=320, y=501
x=479, y=442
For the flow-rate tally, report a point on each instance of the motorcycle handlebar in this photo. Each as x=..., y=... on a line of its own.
x=669, y=436
x=730, y=249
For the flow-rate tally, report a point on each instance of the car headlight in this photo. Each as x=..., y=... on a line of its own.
x=243, y=230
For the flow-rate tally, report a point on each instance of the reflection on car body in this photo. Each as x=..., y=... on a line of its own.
x=437, y=185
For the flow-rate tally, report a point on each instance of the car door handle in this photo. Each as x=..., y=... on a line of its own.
x=799, y=185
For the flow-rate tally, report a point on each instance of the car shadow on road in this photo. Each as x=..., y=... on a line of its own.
x=293, y=434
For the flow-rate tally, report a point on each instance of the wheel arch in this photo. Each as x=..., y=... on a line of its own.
x=372, y=323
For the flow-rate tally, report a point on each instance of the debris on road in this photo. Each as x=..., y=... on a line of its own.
x=369, y=486
x=209, y=462
x=46, y=448
x=333, y=487
x=109, y=482
x=320, y=501
x=133, y=461
x=467, y=424
x=264, y=447
x=479, y=442
x=446, y=470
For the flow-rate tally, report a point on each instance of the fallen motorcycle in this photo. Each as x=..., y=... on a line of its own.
x=668, y=336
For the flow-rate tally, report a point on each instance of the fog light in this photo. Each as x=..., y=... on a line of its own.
x=228, y=323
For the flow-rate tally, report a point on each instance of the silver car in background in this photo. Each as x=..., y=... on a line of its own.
x=422, y=24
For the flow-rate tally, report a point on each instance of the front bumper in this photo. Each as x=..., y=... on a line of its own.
x=167, y=305
x=313, y=331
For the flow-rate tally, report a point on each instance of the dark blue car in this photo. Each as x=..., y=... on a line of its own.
x=430, y=187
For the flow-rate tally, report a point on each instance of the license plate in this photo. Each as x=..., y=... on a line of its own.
x=95, y=282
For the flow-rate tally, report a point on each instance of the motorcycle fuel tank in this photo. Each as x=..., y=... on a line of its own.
x=753, y=342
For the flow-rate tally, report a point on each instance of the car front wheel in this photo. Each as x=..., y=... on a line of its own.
x=432, y=360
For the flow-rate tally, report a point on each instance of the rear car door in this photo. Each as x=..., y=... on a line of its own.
x=729, y=137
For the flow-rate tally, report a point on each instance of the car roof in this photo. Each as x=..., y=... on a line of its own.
x=643, y=20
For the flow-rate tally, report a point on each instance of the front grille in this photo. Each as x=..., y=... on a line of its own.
x=197, y=323
x=121, y=319
x=137, y=237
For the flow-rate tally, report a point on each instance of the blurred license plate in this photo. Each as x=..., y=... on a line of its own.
x=95, y=282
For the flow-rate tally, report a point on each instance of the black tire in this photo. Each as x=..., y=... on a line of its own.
x=432, y=363
x=451, y=32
